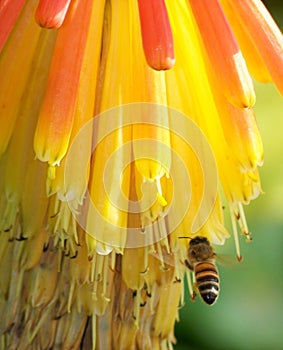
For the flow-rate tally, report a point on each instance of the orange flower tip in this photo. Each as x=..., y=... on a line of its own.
x=157, y=38
x=51, y=14
x=161, y=64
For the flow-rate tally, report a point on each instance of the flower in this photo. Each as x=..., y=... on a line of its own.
x=119, y=121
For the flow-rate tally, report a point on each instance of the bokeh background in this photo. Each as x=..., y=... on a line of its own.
x=249, y=311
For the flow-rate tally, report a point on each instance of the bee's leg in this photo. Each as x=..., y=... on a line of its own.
x=191, y=285
x=195, y=288
x=177, y=280
x=189, y=266
x=195, y=291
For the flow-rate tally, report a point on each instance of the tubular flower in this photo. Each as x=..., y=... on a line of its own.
x=119, y=123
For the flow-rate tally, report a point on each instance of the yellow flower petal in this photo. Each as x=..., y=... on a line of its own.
x=56, y=117
x=14, y=78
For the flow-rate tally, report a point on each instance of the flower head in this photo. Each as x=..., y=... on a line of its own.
x=120, y=120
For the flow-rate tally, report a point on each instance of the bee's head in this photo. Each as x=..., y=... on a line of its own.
x=199, y=239
x=200, y=249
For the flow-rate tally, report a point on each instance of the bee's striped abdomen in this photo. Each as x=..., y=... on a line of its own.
x=207, y=281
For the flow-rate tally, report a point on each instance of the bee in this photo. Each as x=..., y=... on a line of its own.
x=201, y=261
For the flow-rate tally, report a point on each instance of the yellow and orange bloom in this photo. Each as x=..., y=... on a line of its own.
x=120, y=122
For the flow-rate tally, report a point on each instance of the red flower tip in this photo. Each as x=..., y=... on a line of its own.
x=51, y=14
x=156, y=33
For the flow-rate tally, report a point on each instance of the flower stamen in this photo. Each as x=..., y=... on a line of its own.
x=234, y=214
x=243, y=223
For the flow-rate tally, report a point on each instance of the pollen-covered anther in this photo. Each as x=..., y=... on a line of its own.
x=156, y=34
x=51, y=14
x=249, y=238
x=240, y=258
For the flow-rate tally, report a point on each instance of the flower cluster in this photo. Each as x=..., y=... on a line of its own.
x=120, y=124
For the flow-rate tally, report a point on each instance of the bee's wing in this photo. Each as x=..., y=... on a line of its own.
x=226, y=260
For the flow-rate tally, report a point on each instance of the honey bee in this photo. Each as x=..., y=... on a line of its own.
x=201, y=260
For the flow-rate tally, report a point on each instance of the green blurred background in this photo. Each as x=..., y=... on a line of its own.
x=249, y=311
